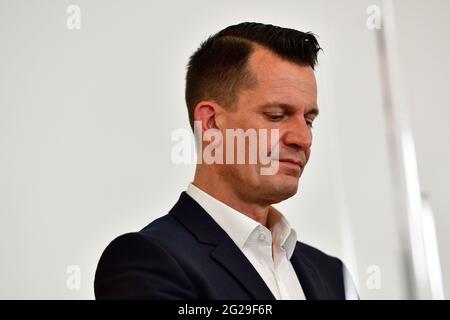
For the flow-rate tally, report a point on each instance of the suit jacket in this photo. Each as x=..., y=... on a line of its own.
x=186, y=255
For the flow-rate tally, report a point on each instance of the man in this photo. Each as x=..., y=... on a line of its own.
x=223, y=239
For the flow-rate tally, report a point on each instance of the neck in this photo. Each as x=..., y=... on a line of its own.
x=218, y=188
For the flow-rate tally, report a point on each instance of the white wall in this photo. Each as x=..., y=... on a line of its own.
x=86, y=119
x=424, y=45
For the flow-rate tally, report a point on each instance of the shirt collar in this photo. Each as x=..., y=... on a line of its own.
x=238, y=226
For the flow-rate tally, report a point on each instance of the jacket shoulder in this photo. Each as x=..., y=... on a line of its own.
x=136, y=265
x=331, y=269
x=318, y=256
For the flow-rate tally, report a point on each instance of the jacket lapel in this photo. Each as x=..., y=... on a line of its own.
x=310, y=279
x=232, y=259
x=226, y=253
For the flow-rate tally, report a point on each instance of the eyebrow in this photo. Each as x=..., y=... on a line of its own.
x=287, y=106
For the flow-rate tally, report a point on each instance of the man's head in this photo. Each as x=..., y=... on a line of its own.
x=256, y=76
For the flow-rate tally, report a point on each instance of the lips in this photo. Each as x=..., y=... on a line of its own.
x=293, y=161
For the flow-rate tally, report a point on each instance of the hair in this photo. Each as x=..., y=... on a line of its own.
x=218, y=68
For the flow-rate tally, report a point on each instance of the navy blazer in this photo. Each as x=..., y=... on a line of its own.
x=187, y=255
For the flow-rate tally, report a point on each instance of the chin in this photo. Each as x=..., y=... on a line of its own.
x=283, y=189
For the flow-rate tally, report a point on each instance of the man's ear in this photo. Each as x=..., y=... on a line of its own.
x=206, y=112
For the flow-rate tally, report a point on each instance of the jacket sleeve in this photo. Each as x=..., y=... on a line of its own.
x=135, y=267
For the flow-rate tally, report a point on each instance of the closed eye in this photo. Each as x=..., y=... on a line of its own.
x=275, y=117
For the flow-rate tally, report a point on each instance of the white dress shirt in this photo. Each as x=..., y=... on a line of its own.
x=267, y=250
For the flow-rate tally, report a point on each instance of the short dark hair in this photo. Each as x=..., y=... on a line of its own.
x=218, y=68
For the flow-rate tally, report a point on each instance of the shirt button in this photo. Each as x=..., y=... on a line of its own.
x=261, y=237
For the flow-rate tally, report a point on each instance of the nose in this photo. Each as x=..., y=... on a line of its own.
x=297, y=134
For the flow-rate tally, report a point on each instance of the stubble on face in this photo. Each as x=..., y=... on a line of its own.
x=277, y=81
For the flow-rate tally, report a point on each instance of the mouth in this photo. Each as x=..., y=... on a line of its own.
x=292, y=162
x=293, y=166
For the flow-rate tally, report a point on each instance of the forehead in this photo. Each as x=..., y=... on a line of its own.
x=281, y=79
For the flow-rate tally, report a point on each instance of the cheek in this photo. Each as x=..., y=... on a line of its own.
x=274, y=140
x=307, y=154
x=267, y=142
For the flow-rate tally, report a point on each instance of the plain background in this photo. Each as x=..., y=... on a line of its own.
x=86, y=118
